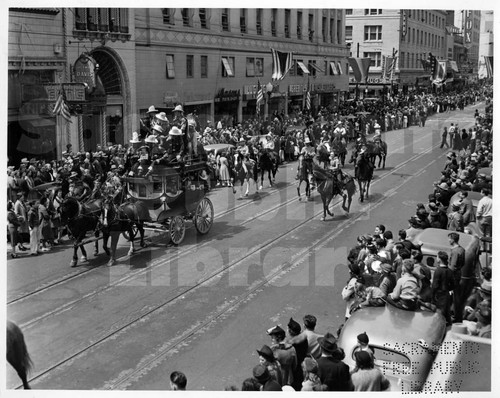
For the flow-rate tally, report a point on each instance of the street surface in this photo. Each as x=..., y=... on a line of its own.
x=204, y=306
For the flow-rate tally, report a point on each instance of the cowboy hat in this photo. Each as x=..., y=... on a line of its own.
x=161, y=116
x=307, y=140
x=152, y=109
x=144, y=147
x=175, y=131
x=266, y=353
x=276, y=331
x=486, y=287
x=178, y=108
x=151, y=139
x=25, y=160
x=135, y=138
x=328, y=342
x=73, y=174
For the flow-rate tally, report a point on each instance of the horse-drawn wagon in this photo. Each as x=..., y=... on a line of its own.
x=174, y=194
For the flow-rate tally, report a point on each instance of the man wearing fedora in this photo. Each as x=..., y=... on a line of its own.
x=267, y=359
x=332, y=371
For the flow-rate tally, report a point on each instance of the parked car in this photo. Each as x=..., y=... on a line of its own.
x=433, y=240
x=416, y=351
x=400, y=341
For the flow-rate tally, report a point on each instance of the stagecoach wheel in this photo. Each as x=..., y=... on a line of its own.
x=135, y=230
x=204, y=216
x=177, y=229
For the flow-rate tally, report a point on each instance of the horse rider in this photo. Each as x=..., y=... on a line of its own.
x=192, y=137
x=242, y=147
x=335, y=168
x=377, y=138
x=80, y=189
x=307, y=154
x=361, y=155
x=340, y=131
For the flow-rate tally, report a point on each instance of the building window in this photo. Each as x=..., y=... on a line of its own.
x=170, y=70
x=299, y=25
x=313, y=68
x=258, y=21
x=189, y=66
x=348, y=11
x=287, y=23
x=168, y=16
x=187, y=20
x=102, y=19
x=311, y=27
x=274, y=13
x=243, y=20
x=255, y=67
x=376, y=58
x=225, y=19
x=373, y=32
x=227, y=66
x=348, y=32
x=204, y=66
x=324, y=28
x=301, y=68
x=402, y=60
x=203, y=18
x=373, y=11
x=332, y=30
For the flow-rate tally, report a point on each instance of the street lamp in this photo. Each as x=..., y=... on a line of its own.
x=269, y=89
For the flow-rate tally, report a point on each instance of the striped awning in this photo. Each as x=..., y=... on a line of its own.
x=303, y=67
x=227, y=67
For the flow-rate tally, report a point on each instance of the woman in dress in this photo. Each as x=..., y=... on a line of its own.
x=223, y=164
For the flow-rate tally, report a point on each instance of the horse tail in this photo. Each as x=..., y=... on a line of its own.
x=17, y=352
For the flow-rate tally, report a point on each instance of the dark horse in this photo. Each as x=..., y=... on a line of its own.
x=305, y=173
x=329, y=187
x=80, y=219
x=377, y=149
x=17, y=353
x=267, y=160
x=363, y=173
x=339, y=148
x=120, y=218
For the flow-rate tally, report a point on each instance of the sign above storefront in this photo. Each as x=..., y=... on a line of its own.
x=75, y=92
x=85, y=71
x=227, y=95
x=371, y=80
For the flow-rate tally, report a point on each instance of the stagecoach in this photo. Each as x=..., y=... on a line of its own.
x=174, y=194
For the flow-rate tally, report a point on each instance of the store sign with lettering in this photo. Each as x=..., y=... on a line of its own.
x=227, y=95
x=370, y=80
x=324, y=88
x=297, y=88
x=74, y=92
x=85, y=71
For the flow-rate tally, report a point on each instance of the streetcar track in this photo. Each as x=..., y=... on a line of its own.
x=206, y=279
x=220, y=271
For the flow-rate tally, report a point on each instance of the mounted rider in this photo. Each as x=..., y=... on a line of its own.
x=306, y=158
x=78, y=189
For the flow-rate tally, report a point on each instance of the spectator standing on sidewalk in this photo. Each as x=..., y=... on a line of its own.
x=33, y=222
x=13, y=225
x=178, y=381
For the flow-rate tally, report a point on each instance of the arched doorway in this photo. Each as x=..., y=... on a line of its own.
x=104, y=124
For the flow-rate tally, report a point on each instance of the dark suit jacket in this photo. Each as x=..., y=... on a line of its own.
x=335, y=374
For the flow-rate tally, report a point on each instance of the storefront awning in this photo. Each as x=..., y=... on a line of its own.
x=303, y=67
x=227, y=67
x=317, y=68
x=333, y=67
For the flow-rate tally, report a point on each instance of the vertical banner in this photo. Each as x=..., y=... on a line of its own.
x=467, y=28
x=404, y=23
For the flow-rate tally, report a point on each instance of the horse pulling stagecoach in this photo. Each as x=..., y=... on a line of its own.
x=161, y=200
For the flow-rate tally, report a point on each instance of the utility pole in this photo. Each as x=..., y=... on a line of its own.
x=357, y=84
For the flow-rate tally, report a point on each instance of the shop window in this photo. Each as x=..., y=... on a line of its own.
x=243, y=20
x=170, y=70
x=255, y=67
x=348, y=32
x=227, y=66
x=301, y=68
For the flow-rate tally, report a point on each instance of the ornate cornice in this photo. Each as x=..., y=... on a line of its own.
x=36, y=63
x=245, y=43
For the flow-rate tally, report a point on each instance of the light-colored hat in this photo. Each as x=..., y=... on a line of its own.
x=208, y=130
x=175, y=131
x=162, y=116
x=178, y=108
x=73, y=174
x=152, y=109
x=135, y=138
x=158, y=128
x=307, y=140
x=151, y=139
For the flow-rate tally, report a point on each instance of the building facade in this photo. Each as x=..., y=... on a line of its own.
x=111, y=64
x=485, y=44
x=408, y=34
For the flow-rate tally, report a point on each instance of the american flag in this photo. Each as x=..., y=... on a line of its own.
x=308, y=97
x=61, y=107
x=282, y=63
x=260, y=96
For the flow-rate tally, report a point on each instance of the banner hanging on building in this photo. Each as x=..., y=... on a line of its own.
x=282, y=63
x=360, y=68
